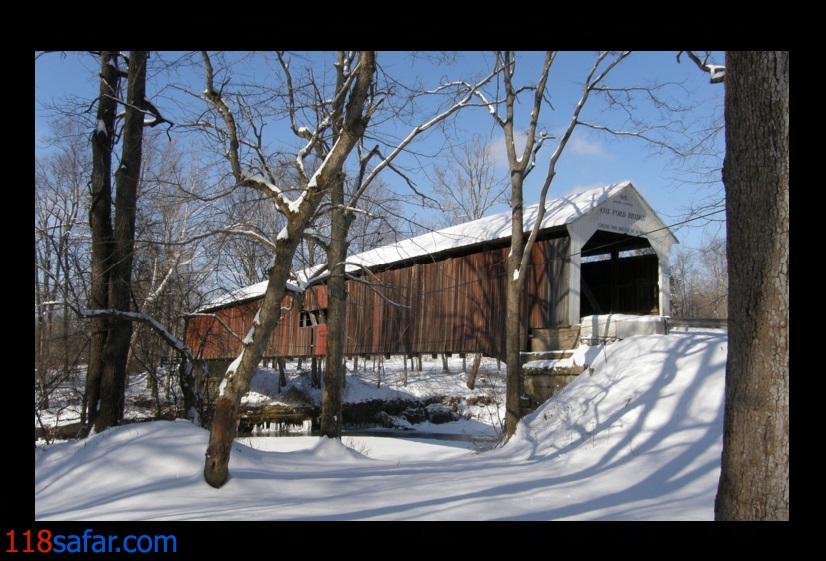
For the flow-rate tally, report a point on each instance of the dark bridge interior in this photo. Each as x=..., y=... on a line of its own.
x=619, y=275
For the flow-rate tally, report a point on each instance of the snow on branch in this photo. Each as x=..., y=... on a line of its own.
x=358, y=211
x=258, y=181
x=156, y=117
x=317, y=238
x=250, y=234
x=491, y=105
x=256, y=322
x=716, y=72
x=140, y=317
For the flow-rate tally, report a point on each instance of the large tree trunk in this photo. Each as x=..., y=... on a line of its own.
x=513, y=377
x=754, y=481
x=513, y=317
x=239, y=375
x=116, y=349
x=100, y=223
x=331, y=405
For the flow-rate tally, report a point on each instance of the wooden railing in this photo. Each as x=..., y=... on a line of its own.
x=702, y=323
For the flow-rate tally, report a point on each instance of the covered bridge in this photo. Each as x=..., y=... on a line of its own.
x=599, y=251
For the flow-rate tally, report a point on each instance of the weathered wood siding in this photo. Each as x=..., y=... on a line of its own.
x=453, y=305
x=290, y=338
x=217, y=335
x=547, y=290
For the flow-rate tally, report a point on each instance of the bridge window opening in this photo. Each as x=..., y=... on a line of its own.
x=311, y=318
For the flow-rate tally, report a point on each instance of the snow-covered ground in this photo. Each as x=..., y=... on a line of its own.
x=638, y=437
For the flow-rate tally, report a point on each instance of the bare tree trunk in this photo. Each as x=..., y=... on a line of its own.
x=154, y=389
x=474, y=370
x=331, y=406
x=282, y=376
x=381, y=370
x=116, y=349
x=513, y=318
x=193, y=398
x=513, y=383
x=754, y=480
x=445, y=368
x=100, y=222
x=404, y=365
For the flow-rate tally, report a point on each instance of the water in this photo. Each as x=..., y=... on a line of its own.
x=394, y=433
x=282, y=429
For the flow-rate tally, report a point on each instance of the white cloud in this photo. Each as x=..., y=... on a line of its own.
x=584, y=147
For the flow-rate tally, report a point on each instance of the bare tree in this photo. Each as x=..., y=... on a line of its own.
x=684, y=283
x=380, y=219
x=113, y=240
x=61, y=249
x=714, y=278
x=339, y=125
x=246, y=256
x=521, y=163
x=466, y=184
x=242, y=234
x=107, y=410
x=104, y=260
x=699, y=280
x=330, y=118
x=659, y=133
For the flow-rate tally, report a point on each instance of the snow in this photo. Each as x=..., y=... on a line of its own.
x=255, y=323
x=717, y=73
x=233, y=367
x=583, y=356
x=295, y=205
x=245, y=293
x=637, y=436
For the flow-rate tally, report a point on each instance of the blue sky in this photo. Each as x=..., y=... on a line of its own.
x=590, y=159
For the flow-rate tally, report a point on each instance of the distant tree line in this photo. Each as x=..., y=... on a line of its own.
x=699, y=281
